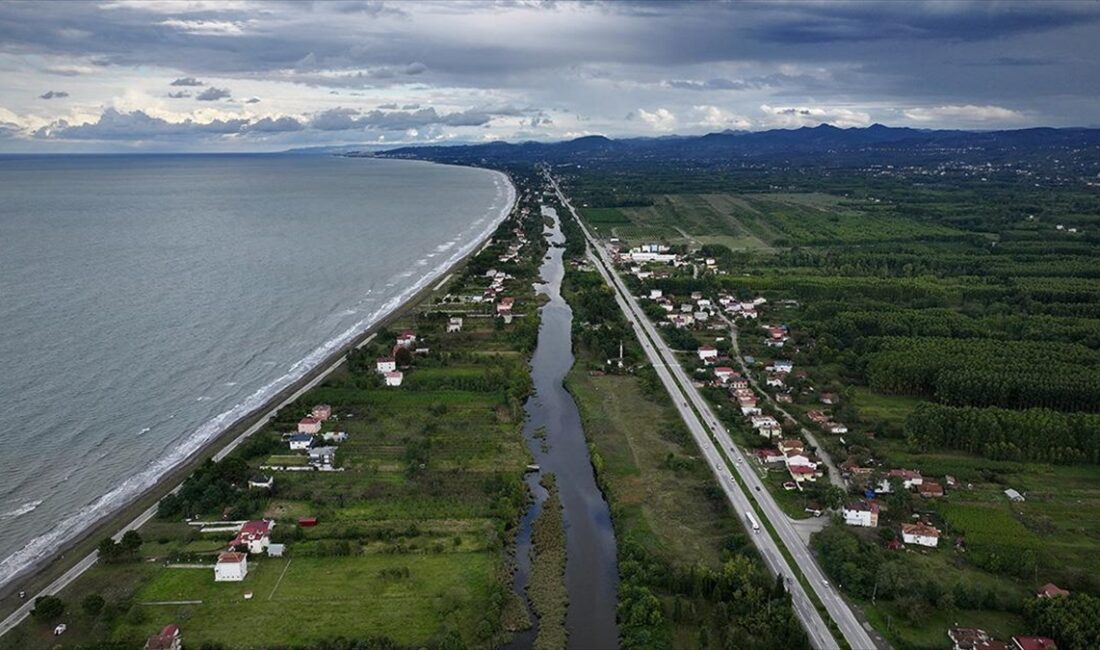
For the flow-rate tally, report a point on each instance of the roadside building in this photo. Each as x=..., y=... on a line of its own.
x=231, y=567
x=707, y=353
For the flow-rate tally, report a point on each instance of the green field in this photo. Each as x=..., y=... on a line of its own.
x=296, y=600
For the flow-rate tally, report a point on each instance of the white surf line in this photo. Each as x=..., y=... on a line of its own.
x=279, y=581
x=443, y=282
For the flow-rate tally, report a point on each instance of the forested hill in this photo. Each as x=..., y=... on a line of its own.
x=1070, y=150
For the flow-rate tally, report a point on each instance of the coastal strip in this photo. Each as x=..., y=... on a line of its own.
x=50, y=574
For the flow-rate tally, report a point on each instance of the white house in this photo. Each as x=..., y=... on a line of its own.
x=837, y=428
x=254, y=535
x=321, y=457
x=262, y=482
x=724, y=373
x=920, y=534
x=707, y=353
x=231, y=567
x=394, y=378
x=774, y=381
x=454, y=324
x=759, y=421
x=385, y=364
x=300, y=441
x=862, y=513
x=655, y=294
x=406, y=339
x=783, y=366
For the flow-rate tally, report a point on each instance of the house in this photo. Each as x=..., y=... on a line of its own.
x=454, y=324
x=791, y=444
x=322, y=457
x=783, y=366
x=300, y=441
x=763, y=421
x=861, y=513
x=334, y=436
x=321, y=412
x=795, y=458
x=828, y=398
x=1051, y=590
x=231, y=567
x=837, y=428
x=504, y=306
x=261, y=482
x=770, y=432
x=739, y=382
x=724, y=373
x=1033, y=643
x=966, y=638
x=253, y=535
x=382, y=365
x=802, y=473
x=769, y=455
x=707, y=353
x=774, y=381
x=784, y=398
x=818, y=416
x=394, y=378
x=168, y=639
x=750, y=408
x=276, y=550
x=930, y=489
x=407, y=339
x=309, y=424
x=920, y=534
x=655, y=294
x=908, y=477
x=1013, y=495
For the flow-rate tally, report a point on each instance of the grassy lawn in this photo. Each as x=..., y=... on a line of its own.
x=305, y=599
x=931, y=633
x=876, y=408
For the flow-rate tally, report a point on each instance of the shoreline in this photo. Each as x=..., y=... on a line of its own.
x=72, y=558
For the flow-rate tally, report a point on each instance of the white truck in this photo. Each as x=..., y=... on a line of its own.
x=752, y=522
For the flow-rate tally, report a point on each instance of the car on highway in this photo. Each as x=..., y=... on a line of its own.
x=757, y=488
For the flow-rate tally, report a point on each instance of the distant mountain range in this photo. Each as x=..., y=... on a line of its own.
x=823, y=145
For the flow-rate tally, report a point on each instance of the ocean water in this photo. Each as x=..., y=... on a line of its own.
x=147, y=302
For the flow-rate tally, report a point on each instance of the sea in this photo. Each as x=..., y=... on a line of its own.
x=147, y=302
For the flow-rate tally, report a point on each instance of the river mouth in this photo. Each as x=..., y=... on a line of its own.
x=555, y=437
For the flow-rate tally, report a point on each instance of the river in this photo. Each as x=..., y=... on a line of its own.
x=591, y=570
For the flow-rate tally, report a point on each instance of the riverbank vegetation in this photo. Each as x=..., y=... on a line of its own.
x=402, y=544
x=953, y=324
x=546, y=589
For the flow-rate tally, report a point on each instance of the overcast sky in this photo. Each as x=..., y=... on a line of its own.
x=224, y=75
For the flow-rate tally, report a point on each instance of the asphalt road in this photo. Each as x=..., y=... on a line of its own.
x=699, y=421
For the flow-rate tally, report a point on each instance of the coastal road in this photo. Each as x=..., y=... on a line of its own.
x=834, y=474
x=17, y=617
x=683, y=392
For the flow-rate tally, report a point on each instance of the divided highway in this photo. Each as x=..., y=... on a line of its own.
x=699, y=418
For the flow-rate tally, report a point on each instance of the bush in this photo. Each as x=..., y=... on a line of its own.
x=48, y=608
x=92, y=605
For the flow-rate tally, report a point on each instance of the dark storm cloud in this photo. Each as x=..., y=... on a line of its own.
x=213, y=94
x=179, y=94
x=186, y=81
x=343, y=119
x=137, y=125
x=51, y=94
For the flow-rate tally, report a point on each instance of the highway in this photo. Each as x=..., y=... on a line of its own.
x=699, y=421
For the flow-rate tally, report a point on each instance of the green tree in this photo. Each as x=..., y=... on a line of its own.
x=131, y=542
x=48, y=608
x=92, y=605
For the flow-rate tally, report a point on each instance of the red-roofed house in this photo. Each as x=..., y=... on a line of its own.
x=908, y=477
x=1051, y=590
x=322, y=412
x=769, y=455
x=930, y=489
x=254, y=535
x=724, y=374
x=791, y=444
x=966, y=638
x=801, y=472
x=1033, y=643
x=505, y=305
x=231, y=567
x=394, y=378
x=920, y=534
x=406, y=339
x=168, y=639
x=309, y=424
x=385, y=364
